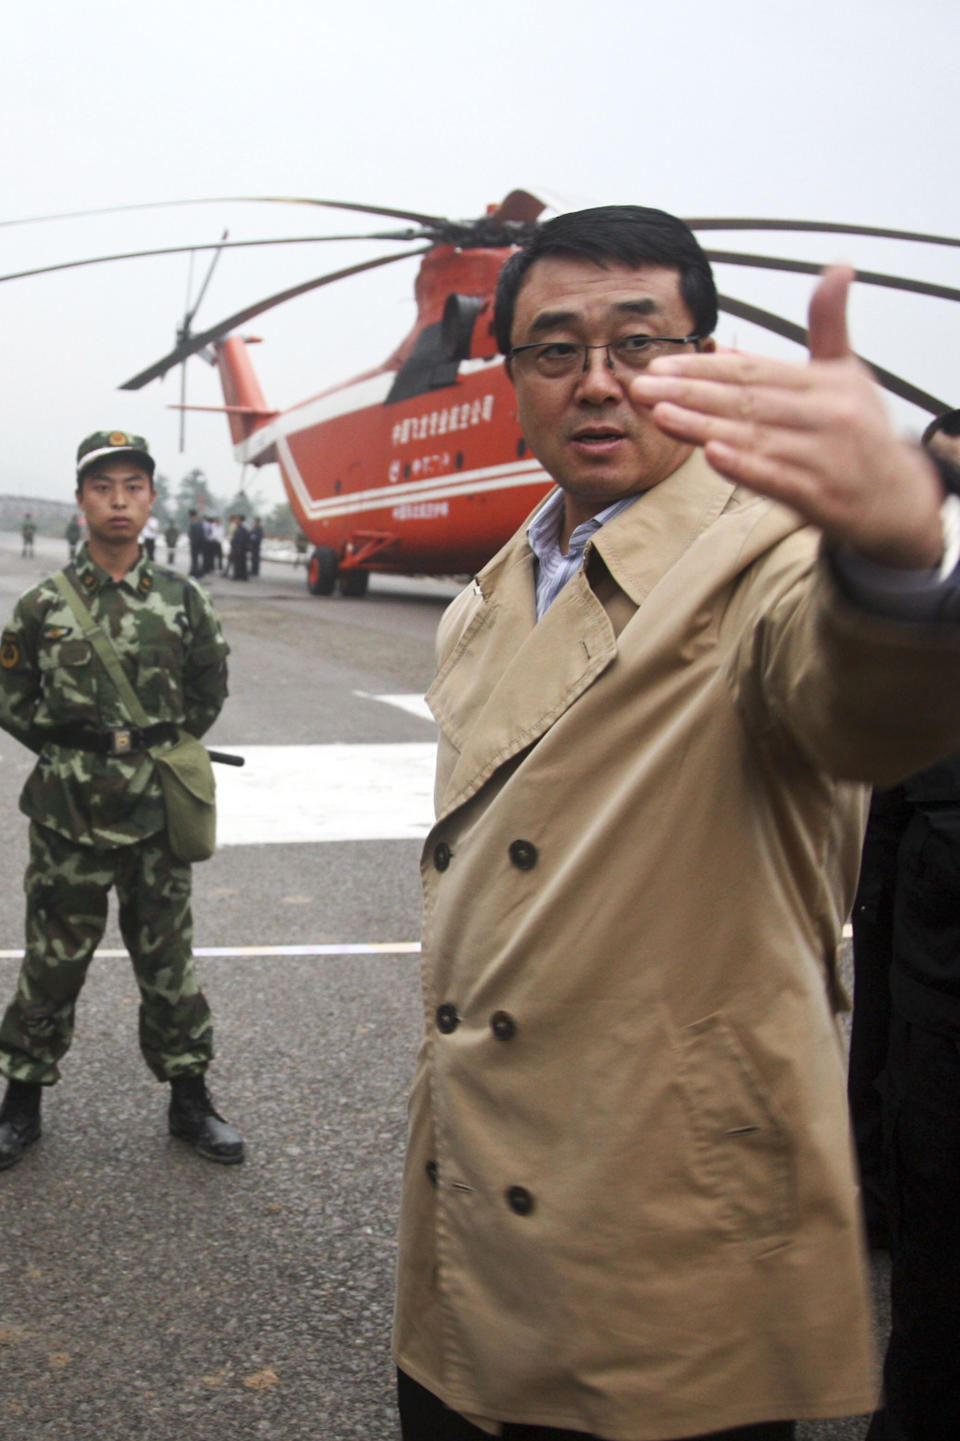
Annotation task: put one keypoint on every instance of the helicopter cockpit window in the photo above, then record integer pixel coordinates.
(440, 348)
(426, 368)
(459, 318)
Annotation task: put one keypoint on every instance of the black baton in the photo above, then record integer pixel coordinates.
(222, 759)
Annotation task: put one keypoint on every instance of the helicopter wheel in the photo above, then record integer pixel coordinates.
(322, 571)
(354, 582)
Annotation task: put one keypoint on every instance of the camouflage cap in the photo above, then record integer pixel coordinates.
(113, 443)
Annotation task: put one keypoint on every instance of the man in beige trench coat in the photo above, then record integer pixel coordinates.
(629, 1203)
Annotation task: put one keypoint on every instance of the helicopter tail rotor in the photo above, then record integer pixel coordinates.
(184, 335)
(192, 344)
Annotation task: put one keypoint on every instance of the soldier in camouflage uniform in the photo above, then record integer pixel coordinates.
(95, 803)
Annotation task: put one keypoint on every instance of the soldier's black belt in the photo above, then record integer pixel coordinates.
(126, 740)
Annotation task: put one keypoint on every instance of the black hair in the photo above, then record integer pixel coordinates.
(629, 234)
(946, 424)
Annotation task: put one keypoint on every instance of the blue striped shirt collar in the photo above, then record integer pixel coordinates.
(553, 568)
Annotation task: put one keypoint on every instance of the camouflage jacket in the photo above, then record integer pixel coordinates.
(169, 640)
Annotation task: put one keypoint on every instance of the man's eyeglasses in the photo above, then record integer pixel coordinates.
(558, 359)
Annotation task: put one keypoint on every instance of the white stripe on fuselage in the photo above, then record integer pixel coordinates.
(362, 395)
(437, 487)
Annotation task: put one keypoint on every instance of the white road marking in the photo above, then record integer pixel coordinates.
(335, 792)
(343, 948)
(413, 704)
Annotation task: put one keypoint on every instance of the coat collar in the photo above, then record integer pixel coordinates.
(92, 577)
(508, 678)
(643, 542)
(641, 545)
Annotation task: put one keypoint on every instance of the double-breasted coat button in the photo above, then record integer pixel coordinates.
(431, 1169)
(441, 855)
(503, 1026)
(520, 1200)
(523, 854)
(447, 1018)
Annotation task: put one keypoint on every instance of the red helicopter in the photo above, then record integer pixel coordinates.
(418, 466)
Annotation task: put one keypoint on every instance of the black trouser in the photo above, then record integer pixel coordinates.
(921, 1372)
(873, 911)
(425, 1418)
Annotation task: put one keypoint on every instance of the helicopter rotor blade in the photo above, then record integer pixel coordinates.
(787, 328)
(517, 211)
(192, 344)
(807, 267)
(514, 208)
(191, 312)
(211, 245)
(183, 334)
(415, 215)
(821, 227)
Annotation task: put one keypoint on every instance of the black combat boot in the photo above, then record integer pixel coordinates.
(19, 1120)
(193, 1119)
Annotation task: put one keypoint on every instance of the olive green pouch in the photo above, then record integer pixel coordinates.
(184, 770)
(189, 795)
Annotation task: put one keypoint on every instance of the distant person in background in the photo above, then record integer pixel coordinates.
(27, 531)
(906, 1022)
(72, 534)
(208, 544)
(149, 536)
(216, 543)
(171, 535)
(301, 545)
(196, 537)
(256, 540)
(239, 548)
(230, 533)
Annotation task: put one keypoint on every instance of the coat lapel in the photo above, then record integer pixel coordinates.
(509, 678)
(640, 546)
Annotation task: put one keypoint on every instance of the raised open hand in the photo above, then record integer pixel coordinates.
(815, 436)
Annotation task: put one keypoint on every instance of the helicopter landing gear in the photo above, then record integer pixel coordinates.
(354, 582)
(322, 571)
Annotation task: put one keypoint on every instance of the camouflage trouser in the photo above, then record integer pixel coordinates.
(66, 887)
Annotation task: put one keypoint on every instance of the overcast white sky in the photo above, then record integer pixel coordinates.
(842, 112)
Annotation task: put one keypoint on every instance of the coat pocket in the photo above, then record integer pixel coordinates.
(741, 1153)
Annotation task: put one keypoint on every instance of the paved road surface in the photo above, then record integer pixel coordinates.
(144, 1292)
